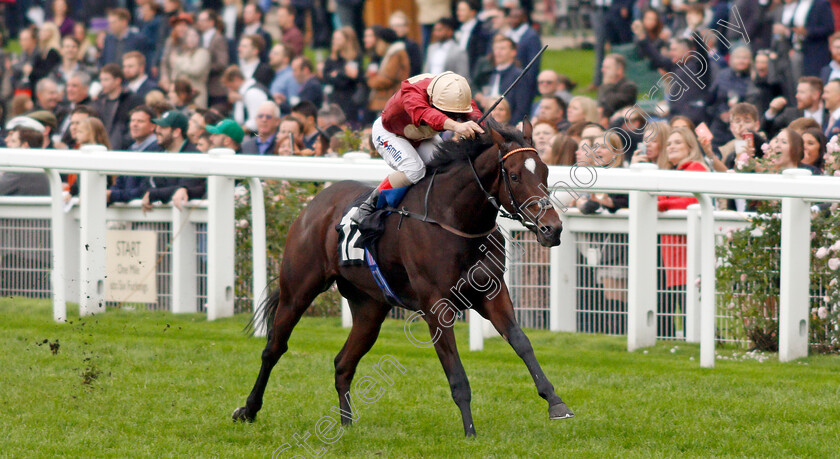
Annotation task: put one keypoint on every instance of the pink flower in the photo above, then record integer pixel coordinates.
(832, 283)
(813, 235)
(729, 234)
(837, 173)
(743, 277)
(822, 312)
(765, 148)
(744, 158)
(822, 252)
(242, 223)
(697, 282)
(834, 263)
(836, 247)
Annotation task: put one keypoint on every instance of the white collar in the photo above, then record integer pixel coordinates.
(517, 33)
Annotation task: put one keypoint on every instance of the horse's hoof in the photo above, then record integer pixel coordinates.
(242, 414)
(560, 411)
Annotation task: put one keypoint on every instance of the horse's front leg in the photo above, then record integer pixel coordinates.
(499, 311)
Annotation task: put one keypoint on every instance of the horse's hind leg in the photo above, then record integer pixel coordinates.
(289, 302)
(499, 311)
(368, 316)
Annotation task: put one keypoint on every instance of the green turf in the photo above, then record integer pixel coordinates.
(166, 385)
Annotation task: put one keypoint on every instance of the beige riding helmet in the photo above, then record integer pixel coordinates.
(450, 92)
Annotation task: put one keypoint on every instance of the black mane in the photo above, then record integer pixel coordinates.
(452, 152)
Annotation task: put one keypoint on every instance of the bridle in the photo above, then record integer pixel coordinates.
(543, 202)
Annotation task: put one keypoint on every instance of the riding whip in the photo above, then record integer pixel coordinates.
(521, 74)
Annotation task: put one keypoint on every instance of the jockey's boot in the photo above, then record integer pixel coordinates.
(367, 207)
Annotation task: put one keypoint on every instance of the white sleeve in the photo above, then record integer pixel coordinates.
(253, 99)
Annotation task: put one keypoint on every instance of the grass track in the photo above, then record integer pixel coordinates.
(169, 391)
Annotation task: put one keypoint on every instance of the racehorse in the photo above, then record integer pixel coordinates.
(422, 261)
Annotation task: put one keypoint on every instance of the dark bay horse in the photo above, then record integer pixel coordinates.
(423, 262)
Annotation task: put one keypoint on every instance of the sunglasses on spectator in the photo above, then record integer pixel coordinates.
(266, 116)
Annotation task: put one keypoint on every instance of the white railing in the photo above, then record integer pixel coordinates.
(641, 182)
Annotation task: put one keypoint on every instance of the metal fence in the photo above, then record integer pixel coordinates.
(25, 257)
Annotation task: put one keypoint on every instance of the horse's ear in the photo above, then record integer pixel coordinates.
(497, 138)
(527, 129)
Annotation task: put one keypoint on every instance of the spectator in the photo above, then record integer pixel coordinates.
(170, 131)
(47, 96)
(656, 138)
(341, 71)
(284, 87)
(616, 90)
(290, 140)
(120, 38)
(307, 113)
(50, 123)
(172, 13)
(767, 78)
(553, 111)
(561, 152)
(505, 72)
(44, 58)
(29, 52)
(350, 14)
(246, 96)
(149, 22)
(730, 86)
(611, 24)
(91, 131)
(252, 24)
(88, 54)
(443, 53)
(24, 184)
(134, 72)
(399, 24)
(542, 134)
(61, 19)
(691, 102)
(654, 28)
(582, 108)
(265, 141)
(69, 61)
(743, 121)
(786, 150)
(196, 124)
(809, 104)
(528, 45)
(231, 14)
(183, 95)
(501, 113)
(394, 67)
(331, 115)
(21, 103)
(310, 88)
(428, 13)
(180, 24)
(831, 97)
(472, 36)
(142, 131)
(114, 104)
(204, 142)
(210, 25)
(226, 134)
(832, 70)
(79, 114)
(292, 37)
(77, 94)
(547, 83)
(808, 29)
(814, 148)
(249, 51)
(192, 63)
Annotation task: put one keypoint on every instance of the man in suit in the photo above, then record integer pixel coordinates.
(24, 184)
(472, 36)
(121, 39)
(142, 131)
(209, 24)
(443, 53)
(528, 44)
(831, 96)
(249, 50)
(265, 142)
(134, 72)
(114, 104)
(505, 72)
(832, 70)
(251, 24)
(809, 92)
(310, 87)
(616, 91)
(77, 94)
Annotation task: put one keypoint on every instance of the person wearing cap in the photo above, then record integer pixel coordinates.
(50, 123)
(171, 134)
(121, 38)
(408, 130)
(227, 134)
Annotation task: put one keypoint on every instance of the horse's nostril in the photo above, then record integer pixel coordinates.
(546, 229)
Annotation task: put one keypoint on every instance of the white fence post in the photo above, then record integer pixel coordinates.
(220, 242)
(795, 271)
(641, 281)
(692, 273)
(184, 262)
(708, 302)
(563, 280)
(259, 253)
(57, 234)
(92, 187)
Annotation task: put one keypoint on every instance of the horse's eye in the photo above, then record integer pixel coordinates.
(514, 177)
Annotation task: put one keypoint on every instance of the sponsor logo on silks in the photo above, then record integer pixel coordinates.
(385, 147)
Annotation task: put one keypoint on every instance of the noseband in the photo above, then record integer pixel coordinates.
(517, 214)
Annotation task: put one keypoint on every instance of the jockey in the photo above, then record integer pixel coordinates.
(408, 130)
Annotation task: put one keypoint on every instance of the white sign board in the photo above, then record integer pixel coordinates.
(131, 266)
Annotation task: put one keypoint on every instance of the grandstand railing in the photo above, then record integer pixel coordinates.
(642, 182)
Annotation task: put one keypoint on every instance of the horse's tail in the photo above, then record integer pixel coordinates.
(268, 308)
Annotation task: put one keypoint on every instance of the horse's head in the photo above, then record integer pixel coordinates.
(523, 190)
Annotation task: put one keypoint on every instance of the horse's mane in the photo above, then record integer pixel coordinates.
(451, 152)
